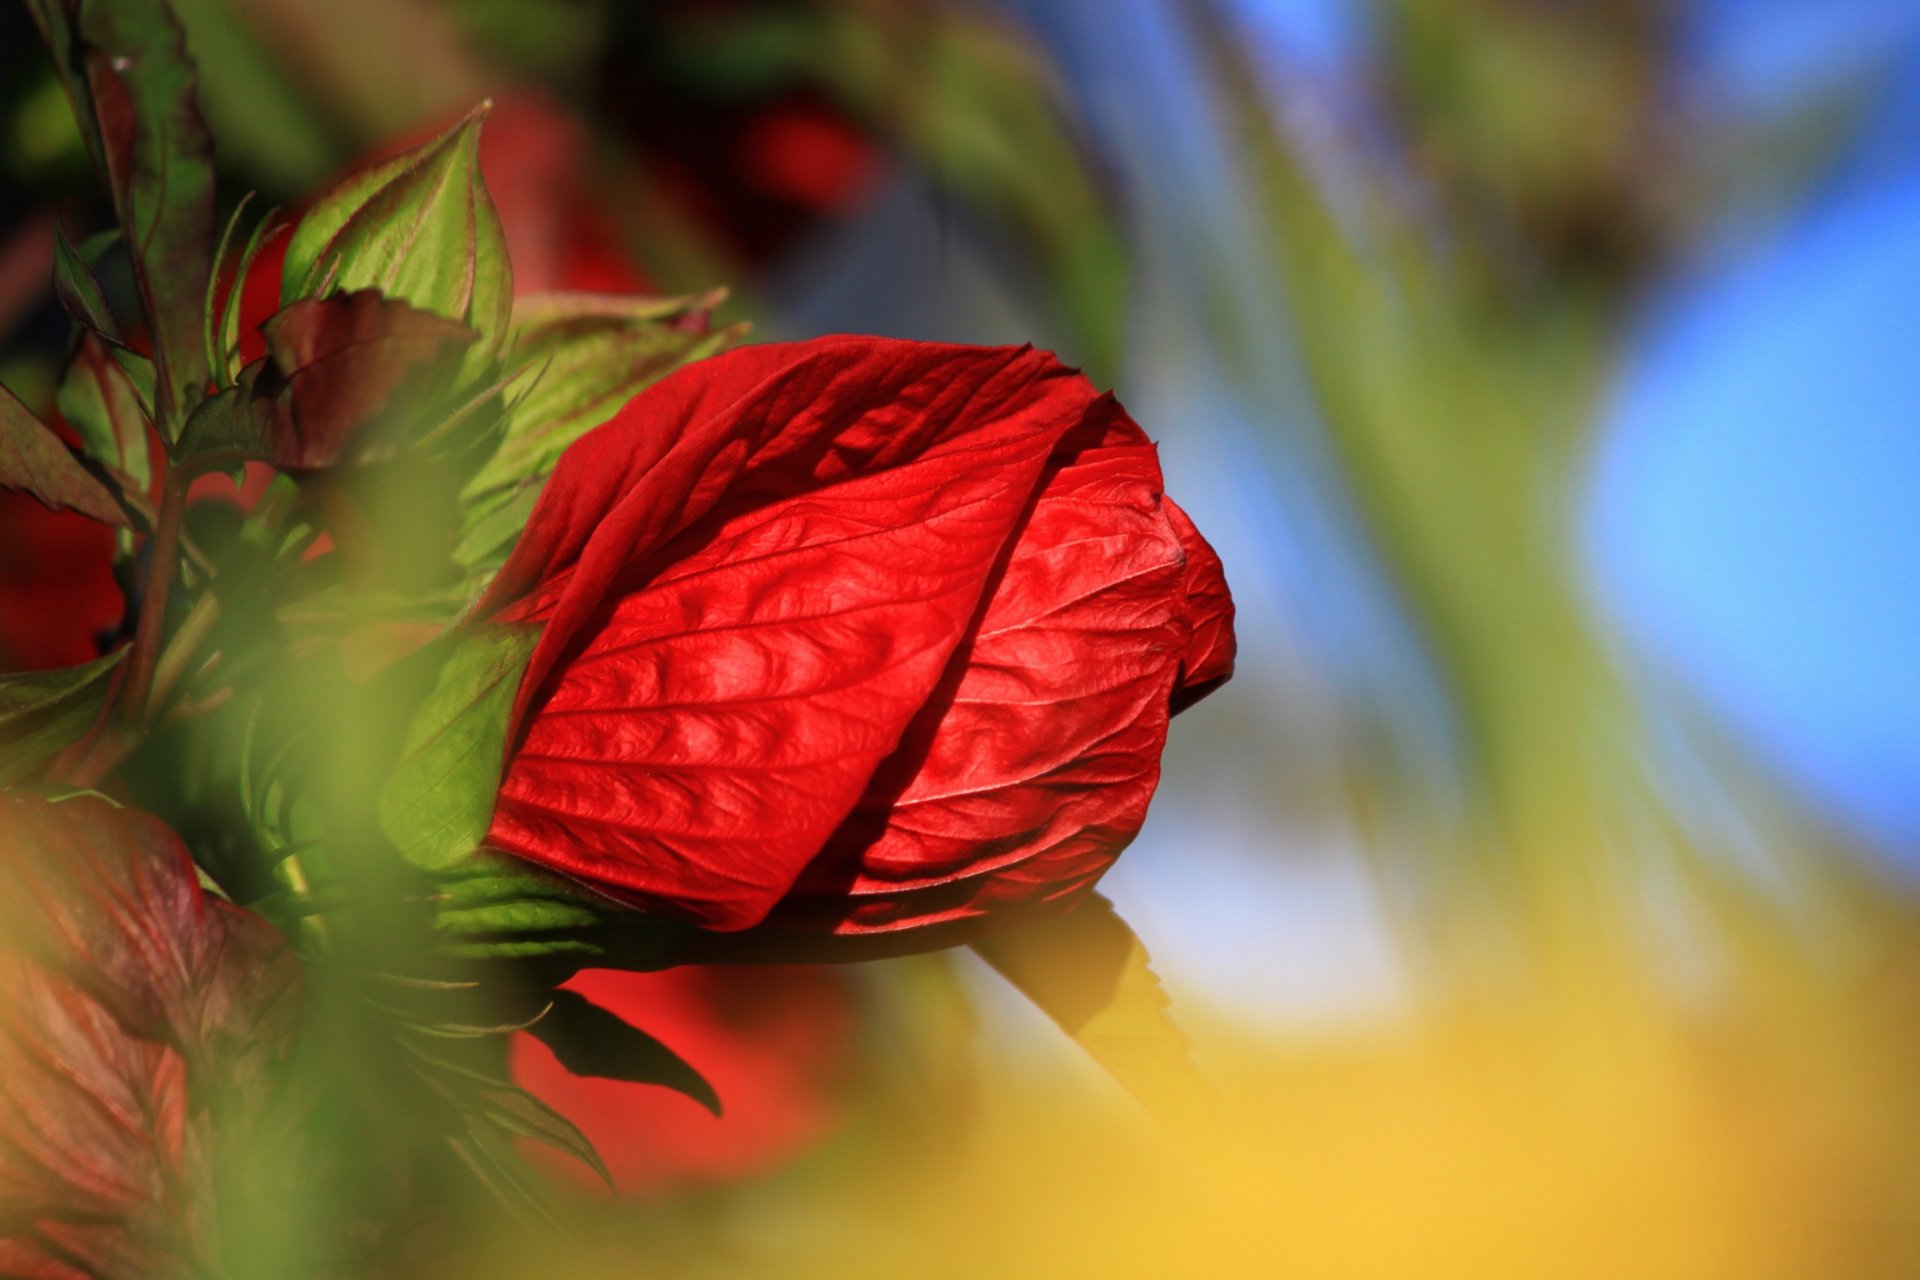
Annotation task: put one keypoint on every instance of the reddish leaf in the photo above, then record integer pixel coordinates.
(751, 580)
(100, 402)
(335, 369)
(33, 458)
(159, 160)
(141, 1027)
(342, 363)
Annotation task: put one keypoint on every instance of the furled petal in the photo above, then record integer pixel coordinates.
(1031, 768)
(1208, 660)
(751, 580)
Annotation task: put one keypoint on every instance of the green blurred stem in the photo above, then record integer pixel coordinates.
(163, 566)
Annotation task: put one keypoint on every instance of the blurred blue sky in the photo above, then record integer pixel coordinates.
(1756, 511)
(1752, 526)
(1755, 521)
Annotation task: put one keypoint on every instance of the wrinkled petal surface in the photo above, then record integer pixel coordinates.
(1028, 773)
(751, 580)
(851, 637)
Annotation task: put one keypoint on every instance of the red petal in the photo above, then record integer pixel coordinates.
(752, 579)
(1210, 642)
(1028, 773)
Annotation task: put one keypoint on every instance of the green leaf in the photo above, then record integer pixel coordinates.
(580, 366)
(515, 1110)
(42, 712)
(101, 404)
(1088, 972)
(576, 359)
(590, 1041)
(33, 458)
(420, 228)
(227, 369)
(79, 292)
(439, 796)
(158, 157)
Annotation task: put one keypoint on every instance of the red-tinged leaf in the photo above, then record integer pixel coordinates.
(34, 459)
(158, 156)
(345, 363)
(751, 580)
(1031, 768)
(78, 291)
(100, 403)
(42, 712)
(1087, 971)
(337, 369)
(142, 1030)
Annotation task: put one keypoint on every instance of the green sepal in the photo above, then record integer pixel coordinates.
(438, 798)
(575, 367)
(590, 1041)
(491, 906)
(1086, 969)
(576, 359)
(42, 712)
(419, 228)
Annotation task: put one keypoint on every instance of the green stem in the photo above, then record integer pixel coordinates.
(163, 567)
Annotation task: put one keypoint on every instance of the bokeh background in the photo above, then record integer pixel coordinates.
(1540, 896)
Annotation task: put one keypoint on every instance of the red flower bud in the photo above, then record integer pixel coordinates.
(853, 635)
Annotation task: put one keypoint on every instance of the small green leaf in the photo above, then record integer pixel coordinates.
(579, 368)
(79, 292)
(439, 796)
(517, 1111)
(590, 1041)
(33, 458)
(42, 712)
(491, 1159)
(420, 228)
(576, 359)
(1087, 971)
(227, 367)
(100, 403)
(158, 157)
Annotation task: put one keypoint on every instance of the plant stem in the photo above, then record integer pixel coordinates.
(163, 565)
